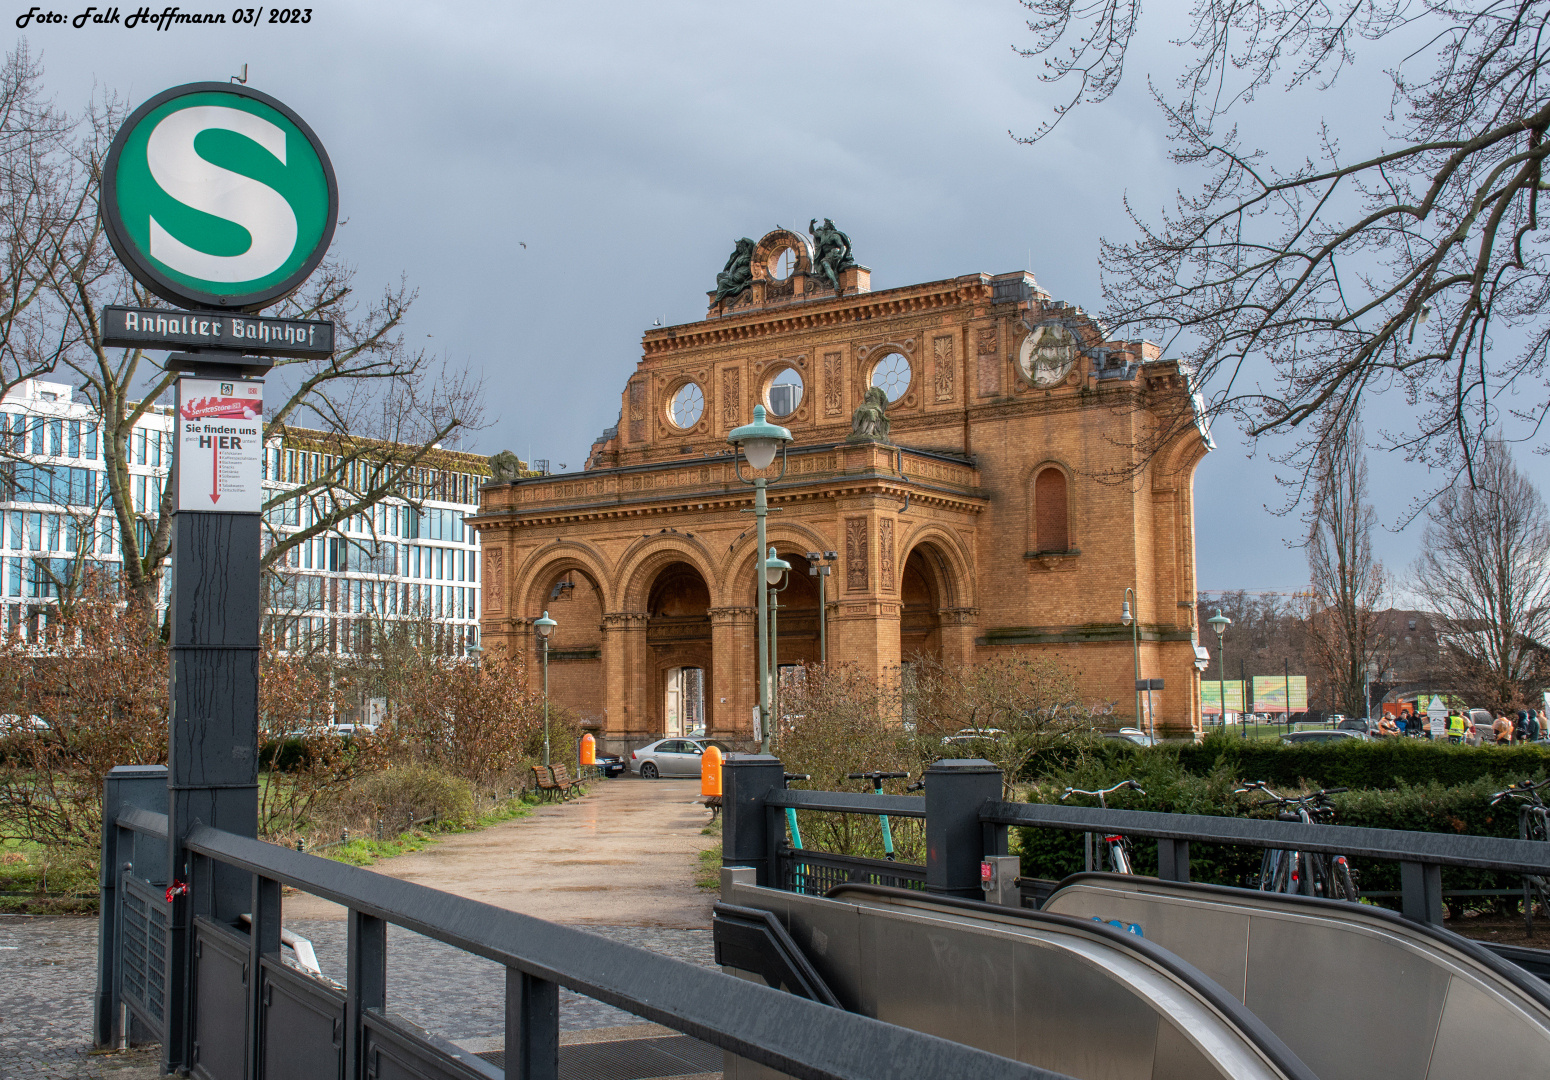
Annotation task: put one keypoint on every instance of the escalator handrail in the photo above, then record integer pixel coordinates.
(1528, 984)
(1253, 1029)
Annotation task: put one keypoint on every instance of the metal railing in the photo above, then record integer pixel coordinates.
(298, 1025)
(1421, 855)
(816, 872)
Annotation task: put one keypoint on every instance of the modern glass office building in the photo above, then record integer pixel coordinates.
(406, 559)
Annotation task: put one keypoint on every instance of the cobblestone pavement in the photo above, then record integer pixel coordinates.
(48, 973)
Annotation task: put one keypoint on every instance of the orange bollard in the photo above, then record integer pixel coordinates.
(588, 750)
(710, 772)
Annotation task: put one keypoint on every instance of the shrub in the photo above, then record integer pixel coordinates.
(1171, 788)
(416, 792)
(1353, 763)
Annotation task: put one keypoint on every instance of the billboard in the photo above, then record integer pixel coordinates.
(1270, 693)
(1211, 692)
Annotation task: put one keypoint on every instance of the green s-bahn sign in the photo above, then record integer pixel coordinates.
(218, 196)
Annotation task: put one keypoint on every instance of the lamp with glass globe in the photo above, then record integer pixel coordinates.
(758, 442)
(1130, 620)
(1220, 623)
(545, 626)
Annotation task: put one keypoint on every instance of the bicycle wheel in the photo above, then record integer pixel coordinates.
(1264, 882)
(1281, 881)
(1345, 881)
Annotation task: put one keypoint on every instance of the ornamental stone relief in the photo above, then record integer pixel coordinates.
(885, 551)
(987, 370)
(731, 397)
(833, 385)
(494, 580)
(943, 367)
(855, 554)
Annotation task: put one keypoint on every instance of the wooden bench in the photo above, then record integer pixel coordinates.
(563, 781)
(543, 783)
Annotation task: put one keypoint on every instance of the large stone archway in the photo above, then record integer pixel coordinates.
(678, 641)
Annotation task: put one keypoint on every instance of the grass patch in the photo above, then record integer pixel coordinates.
(35, 880)
(707, 874)
(366, 851)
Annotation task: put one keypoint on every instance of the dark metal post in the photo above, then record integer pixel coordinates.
(1172, 859)
(213, 728)
(263, 943)
(532, 1027)
(746, 781)
(955, 792)
(365, 986)
(1421, 892)
(143, 787)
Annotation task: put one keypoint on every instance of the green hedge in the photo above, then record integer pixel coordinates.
(1172, 788)
(1353, 763)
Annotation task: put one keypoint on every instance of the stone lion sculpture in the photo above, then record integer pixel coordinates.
(870, 423)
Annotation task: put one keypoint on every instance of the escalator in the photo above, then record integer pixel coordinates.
(1357, 992)
(1068, 994)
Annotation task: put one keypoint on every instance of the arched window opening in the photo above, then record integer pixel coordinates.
(1051, 523)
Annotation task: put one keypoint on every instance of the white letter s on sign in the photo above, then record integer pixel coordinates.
(195, 182)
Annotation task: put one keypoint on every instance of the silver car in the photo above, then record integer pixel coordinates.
(669, 757)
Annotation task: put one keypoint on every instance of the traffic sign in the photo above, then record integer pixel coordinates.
(218, 196)
(220, 445)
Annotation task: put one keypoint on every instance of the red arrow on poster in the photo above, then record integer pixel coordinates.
(215, 470)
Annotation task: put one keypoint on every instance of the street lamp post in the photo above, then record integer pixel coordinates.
(1134, 622)
(775, 571)
(820, 564)
(545, 626)
(1220, 623)
(758, 442)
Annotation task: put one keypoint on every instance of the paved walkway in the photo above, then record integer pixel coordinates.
(623, 855)
(619, 861)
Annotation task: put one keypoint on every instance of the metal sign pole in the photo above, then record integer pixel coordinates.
(212, 759)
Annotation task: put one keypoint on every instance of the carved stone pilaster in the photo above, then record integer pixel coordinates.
(731, 616)
(962, 616)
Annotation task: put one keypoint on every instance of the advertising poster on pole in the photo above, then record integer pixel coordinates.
(1211, 692)
(1270, 693)
(220, 445)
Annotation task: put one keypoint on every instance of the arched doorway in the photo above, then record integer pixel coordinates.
(796, 624)
(575, 603)
(678, 635)
(921, 592)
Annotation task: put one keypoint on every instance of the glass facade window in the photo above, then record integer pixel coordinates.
(73, 439)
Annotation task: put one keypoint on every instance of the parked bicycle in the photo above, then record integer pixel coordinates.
(1304, 872)
(1533, 824)
(1116, 846)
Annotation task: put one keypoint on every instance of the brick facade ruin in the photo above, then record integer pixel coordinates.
(1035, 472)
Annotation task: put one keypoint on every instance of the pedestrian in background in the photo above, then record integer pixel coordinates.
(1502, 729)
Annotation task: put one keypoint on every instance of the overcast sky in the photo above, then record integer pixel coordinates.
(628, 145)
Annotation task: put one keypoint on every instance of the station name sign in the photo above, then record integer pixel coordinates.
(253, 335)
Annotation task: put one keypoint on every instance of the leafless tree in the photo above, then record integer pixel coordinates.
(43, 196)
(1294, 287)
(1485, 570)
(1347, 580)
(378, 407)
